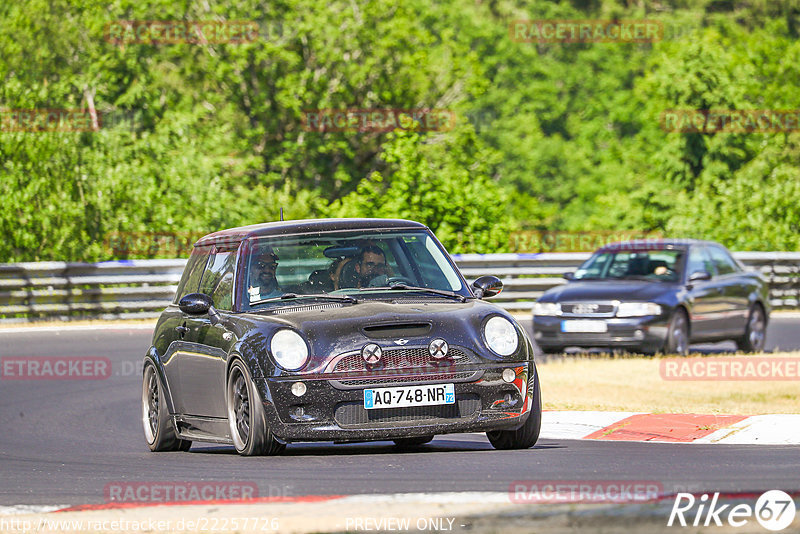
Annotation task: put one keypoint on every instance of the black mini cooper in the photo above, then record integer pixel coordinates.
(334, 330)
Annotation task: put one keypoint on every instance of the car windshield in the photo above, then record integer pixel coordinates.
(646, 264)
(343, 266)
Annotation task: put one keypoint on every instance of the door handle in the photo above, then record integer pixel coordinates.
(181, 330)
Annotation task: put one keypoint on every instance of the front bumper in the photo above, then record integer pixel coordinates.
(648, 332)
(330, 413)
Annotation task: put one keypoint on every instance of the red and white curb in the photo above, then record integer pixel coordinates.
(775, 429)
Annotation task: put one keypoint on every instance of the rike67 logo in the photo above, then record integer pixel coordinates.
(774, 510)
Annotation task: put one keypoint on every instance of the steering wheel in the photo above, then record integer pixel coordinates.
(384, 281)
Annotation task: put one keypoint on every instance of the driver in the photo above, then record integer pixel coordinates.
(370, 264)
(263, 283)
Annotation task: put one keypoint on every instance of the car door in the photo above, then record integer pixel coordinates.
(202, 364)
(175, 324)
(733, 293)
(703, 295)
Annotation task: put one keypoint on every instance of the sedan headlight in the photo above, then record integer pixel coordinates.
(501, 336)
(289, 349)
(546, 308)
(638, 309)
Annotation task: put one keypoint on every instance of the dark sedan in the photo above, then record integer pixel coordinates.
(334, 330)
(655, 296)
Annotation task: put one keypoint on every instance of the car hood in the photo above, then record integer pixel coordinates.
(607, 290)
(333, 328)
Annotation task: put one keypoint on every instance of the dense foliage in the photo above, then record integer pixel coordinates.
(548, 136)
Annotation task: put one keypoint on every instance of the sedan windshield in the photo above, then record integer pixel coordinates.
(655, 265)
(348, 266)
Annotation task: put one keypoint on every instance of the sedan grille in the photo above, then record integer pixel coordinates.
(588, 309)
(354, 413)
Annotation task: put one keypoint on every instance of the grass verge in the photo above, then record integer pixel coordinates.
(635, 383)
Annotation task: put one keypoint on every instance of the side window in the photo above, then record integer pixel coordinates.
(217, 281)
(190, 280)
(699, 261)
(722, 261)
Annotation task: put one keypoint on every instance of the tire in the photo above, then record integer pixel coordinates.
(248, 424)
(413, 442)
(158, 429)
(525, 436)
(755, 333)
(677, 341)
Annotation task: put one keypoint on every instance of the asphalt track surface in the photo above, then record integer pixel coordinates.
(63, 441)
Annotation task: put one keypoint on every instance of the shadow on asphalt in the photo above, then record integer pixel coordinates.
(438, 445)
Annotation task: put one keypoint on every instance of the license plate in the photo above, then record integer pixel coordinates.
(403, 396)
(584, 326)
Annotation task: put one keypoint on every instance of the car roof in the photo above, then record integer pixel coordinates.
(655, 244)
(303, 226)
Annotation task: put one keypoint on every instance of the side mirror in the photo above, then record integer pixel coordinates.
(568, 276)
(487, 286)
(196, 304)
(700, 276)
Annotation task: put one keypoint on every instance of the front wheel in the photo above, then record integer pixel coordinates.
(678, 334)
(525, 436)
(158, 429)
(248, 424)
(755, 334)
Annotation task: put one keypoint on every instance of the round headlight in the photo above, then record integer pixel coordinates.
(501, 336)
(289, 349)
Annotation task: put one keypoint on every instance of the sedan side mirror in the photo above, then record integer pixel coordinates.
(700, 276)
(196, 304)
(487, 286)
(568, 276)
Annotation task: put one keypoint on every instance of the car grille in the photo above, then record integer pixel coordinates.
(587, 309)
(354, 413)
(466, 376)
(396, 359)
(404, 366)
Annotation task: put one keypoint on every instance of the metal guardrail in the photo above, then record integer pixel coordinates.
(142, 288)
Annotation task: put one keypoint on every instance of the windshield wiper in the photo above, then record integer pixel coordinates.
(324, 296)
(442, 292)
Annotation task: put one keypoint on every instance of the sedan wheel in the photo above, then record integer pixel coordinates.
(755, 334)
(248, 424)
(158, 429)
(678, 334)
